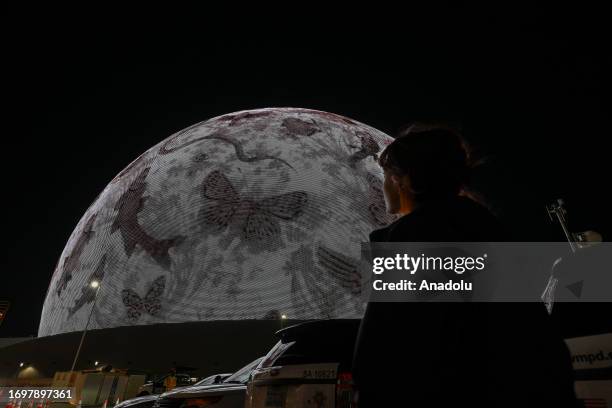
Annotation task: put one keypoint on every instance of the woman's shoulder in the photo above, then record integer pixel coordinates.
(382, 234)
(456, 220)
(379, 235)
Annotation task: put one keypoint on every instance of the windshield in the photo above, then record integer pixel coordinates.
(241, 376)
(276, 351)
(207, 380)
(211, 380)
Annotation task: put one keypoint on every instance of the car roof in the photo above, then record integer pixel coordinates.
(336, 327)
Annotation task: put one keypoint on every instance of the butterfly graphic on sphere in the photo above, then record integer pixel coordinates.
(257, 219)
(151, 303)
(342, 268)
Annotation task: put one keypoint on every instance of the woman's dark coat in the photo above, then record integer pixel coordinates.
(458, 354)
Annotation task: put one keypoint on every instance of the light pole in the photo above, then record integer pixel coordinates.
(94, 285)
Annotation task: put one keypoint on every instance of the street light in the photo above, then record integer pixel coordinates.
(96, 363)
(94, 285)
(21, 364)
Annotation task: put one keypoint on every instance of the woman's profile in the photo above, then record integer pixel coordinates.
(451, 354)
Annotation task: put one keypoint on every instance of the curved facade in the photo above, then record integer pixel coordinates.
(248, 215)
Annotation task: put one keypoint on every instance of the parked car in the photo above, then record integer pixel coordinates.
(145, 401)
(309, 366)
(157, 385)
(227, 394)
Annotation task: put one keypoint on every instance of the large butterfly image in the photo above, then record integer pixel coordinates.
(257, 219)
(151, 303)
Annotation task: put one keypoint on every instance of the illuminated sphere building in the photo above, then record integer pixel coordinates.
(246, 216)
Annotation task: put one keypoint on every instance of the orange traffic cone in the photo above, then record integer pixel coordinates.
(105, 403)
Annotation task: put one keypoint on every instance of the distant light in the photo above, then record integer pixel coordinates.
(96, 363)
(21, 364)
(283, 316)
(94, 284)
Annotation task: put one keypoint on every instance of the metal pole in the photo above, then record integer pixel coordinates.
(559, 212)
(85, 331)
(568, 234)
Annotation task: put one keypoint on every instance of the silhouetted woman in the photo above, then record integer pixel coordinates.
(451, 354)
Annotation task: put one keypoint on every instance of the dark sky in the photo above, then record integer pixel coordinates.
(85, 94)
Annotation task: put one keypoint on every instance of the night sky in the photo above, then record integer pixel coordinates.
(85, 95)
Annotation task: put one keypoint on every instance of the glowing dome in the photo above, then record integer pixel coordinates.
(249, 215)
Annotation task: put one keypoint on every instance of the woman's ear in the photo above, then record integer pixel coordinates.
(401, 182)
(393, 178)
